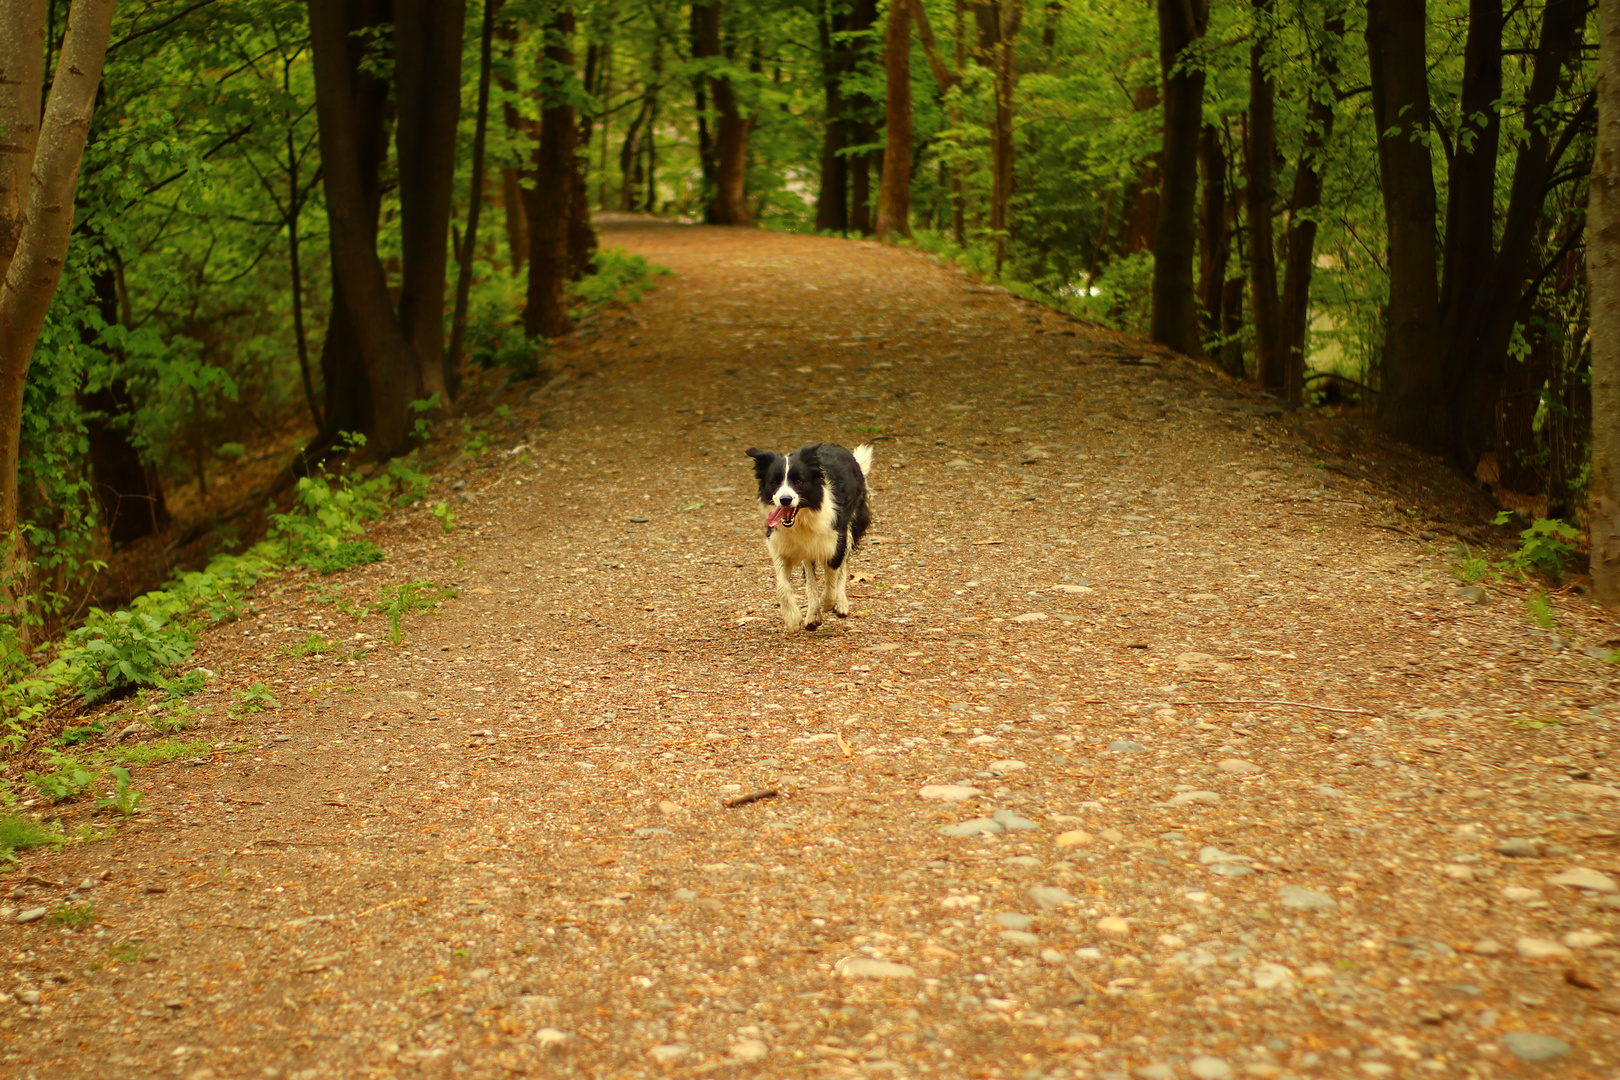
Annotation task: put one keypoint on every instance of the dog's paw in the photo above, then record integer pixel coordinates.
(812, 622)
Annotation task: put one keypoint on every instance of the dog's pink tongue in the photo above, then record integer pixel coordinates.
(775, 516)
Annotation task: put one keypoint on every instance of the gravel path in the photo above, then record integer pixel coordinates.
(1161, 743)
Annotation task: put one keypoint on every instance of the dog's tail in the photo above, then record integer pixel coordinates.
(863, 457)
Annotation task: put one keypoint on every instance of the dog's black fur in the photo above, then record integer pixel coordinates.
(807, 470)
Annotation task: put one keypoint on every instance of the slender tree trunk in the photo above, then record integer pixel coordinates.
(894, 189)
(862, 18)
(295, 209)
(1006, 86)
(630, 159)
(958, 183)
(729, 205)
(1413, 401)
(1260, 155)
(705, 34)
(1471, 190)
(475, 202)
(41, 242)
(651, 139)
(581, 233)
(1603, 284)
(832, 194)
(427, 64)
(1213, 250)
(1301, 237)
(517, 222)
(547, 202)
(393, 372)
(1139, 212)
(1175, 299)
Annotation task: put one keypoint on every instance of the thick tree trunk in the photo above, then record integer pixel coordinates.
(705, 37)
(393, 372)
(1476, 358)
(41, 244)
(894, 189)
(728, 204)
(475, 202)
(517, 221)
(22, 69)
(832, 193)
(1603, 284)
(1175, 298)
(1260, 156)
(1471, 191)
(547, 202)
(427, 86)
(1413, 399)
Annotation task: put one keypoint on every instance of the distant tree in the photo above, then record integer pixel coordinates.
(1175, 298)
(1603, 274)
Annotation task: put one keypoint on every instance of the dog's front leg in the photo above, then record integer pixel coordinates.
(838, 591)
(784, 593)
(813, 595)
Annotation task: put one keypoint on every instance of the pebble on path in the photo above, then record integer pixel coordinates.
(1296, 896)
(974, 827)
(865, 967)
(1204, 1067)
(950, 792)
(1534, 948)
(1533, 1046)
(1073, 838)
(1584, 877)
(1114, 925)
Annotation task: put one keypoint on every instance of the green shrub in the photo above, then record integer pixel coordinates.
(67, 779)
(254, 699)
(1546, 545)
(79, 734)
(124, 798)
(327, 536)
(618, 277)
(156, 753)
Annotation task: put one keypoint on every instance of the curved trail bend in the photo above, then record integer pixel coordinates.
(500, 847)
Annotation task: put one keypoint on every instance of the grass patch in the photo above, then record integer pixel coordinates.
(156, 753)
(255, 699)
(1525, 723)
(19, 833)
(1540, 610)
(314, 644)
(73, 916)
(1468, 568)
(415, 596)
(125, 952)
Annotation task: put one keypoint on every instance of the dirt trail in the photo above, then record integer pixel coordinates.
(500, 847)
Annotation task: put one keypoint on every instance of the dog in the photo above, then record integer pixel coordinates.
(815, 515)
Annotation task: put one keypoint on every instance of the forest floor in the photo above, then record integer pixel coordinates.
(1161, 742)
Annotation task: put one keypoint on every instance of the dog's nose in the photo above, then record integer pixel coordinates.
(785, 500)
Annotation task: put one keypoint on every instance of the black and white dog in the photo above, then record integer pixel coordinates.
(815, 515)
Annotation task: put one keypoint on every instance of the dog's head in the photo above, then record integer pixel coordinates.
(788, 484)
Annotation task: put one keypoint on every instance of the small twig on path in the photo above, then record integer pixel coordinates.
(1292, 704)
(751, 797)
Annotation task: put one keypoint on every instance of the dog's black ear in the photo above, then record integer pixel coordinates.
(762, 460)
(810, 456)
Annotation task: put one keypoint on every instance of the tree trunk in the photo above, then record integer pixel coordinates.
(1001, 183)
(630, 160)
(832, 193)
(517, 222)
(1476, 357)
(41, 244)
(651, 138)
(427, 87)
(1139, 210)
(705, 35)
(728, 203)
(1471, 191)
(1413, 397)
(1603, 284)
(475, 203)
(1175, 299)
(1214, 252)
(547, 202)
(345, 95)
(862, 18)
(894, 189)
(1522, 387)
(1294, 325)
(1260, 156)
(127, 489)
(22, 70)
(581, 233)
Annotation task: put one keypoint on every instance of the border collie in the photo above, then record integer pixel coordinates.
(815, 515)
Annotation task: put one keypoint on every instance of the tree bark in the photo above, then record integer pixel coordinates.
(581, 233)
(547, 201)
(392, 369)
(705, 35)
(517, 222)
(862, 18)
(1260, 156)
(1214, 252)
(475, 203)
(41, 243)
(731, 130)
(1139, 210)
(427, 86)
(1413, 400)
(832, 192)
(1471, 191)
(22, 69)
(1603, 285)
(630, 160)
(1476, 357)
(1294, 324)
(894, 188)
(1001, 185)
(1175, 299)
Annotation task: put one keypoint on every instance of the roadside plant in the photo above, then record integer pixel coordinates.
(254, 699)
(415, 596)
(124, 798)
(446, 516)
(67, 779)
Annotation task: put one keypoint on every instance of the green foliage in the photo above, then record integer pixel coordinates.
(190, 683)
(254, 699)
(156, 753)
(495, 344)
(79, 734)
(1468, 567)
(20, 833)
(327, 536)
(314, 644)
(414, 596)
(123, 651)
(65, 780)
(1545, 546)
(124, 798)
(446, 516)
(618, 277)
(1540, 611)
(175, 717)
